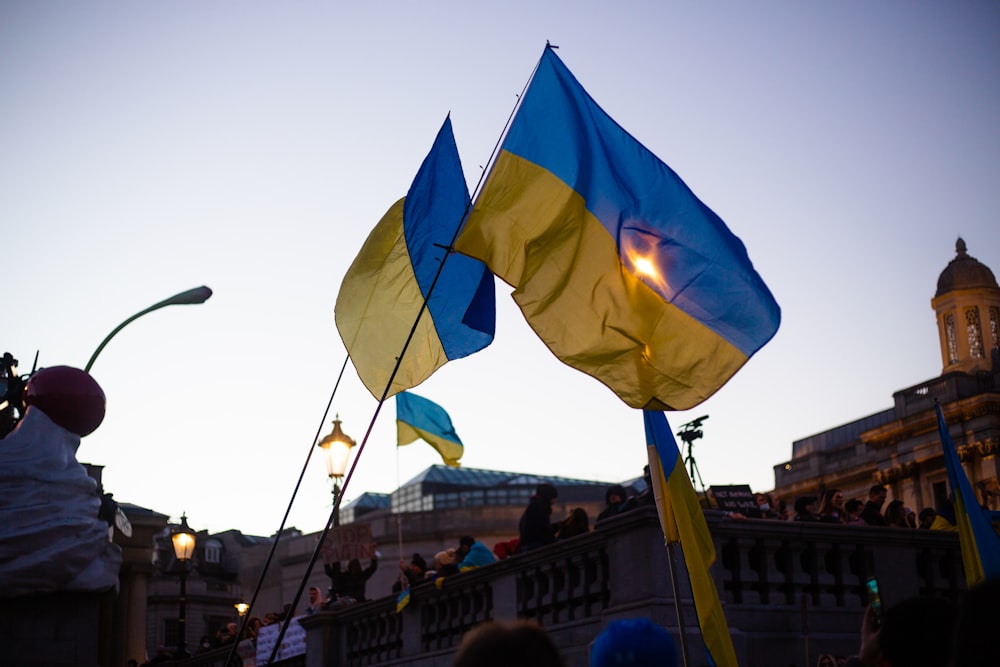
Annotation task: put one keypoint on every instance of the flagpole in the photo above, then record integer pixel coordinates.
(378, 408)
(672, 562)
(277, 536)
(496, 147)
(454, 237)
(403, 579)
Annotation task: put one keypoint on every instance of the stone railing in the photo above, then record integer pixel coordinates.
(949, 387)
(786, 588)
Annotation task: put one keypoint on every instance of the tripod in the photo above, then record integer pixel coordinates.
(692, 467)
(688, 434)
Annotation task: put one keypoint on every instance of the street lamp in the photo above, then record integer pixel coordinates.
(241, 608)
(190, 297)
(336, 450)
(183, 541)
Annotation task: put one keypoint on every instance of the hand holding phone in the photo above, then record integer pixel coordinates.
(875, 601)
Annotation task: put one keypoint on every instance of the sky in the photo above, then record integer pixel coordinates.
(148, 148)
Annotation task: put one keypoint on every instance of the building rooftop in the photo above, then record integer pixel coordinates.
(441, 486)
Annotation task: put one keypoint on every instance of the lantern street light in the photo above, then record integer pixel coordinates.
(183, 541)
(190, 297)
(241, 608)
(336, 450)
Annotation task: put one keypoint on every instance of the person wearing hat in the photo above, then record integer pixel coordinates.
(637, 642)
(534, 528)
(615, 500)
(412, 573)
(472, 554)
(446, 562)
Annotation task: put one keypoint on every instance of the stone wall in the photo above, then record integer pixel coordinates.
(57, 630)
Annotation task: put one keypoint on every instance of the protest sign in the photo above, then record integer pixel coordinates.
(735, 498)
(349, 542)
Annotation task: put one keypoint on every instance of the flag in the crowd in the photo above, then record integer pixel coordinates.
(385, 287)
(683, 521)
(403, 599)
(980, 544)
(618, 267)
(417, 417)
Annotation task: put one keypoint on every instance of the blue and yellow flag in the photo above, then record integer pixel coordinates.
(385, 287)
(403, 599)
(683, 521)
(417, 417)
(980, 544)
(618, 267)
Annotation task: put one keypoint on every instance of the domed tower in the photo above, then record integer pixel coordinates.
(967, 306)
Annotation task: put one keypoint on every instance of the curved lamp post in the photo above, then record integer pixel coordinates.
(190, 297)
(183, 542)
(336, 450)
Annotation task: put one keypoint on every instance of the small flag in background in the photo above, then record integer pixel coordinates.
(384, 288)
(403, 599)
(618, 267)
(980, 544)
(683, 521)
(417, 417)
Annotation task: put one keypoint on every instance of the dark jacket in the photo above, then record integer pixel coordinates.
(534, 528)
(871, 514)
(348, 583)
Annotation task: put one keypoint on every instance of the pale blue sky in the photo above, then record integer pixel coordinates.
(146, 148)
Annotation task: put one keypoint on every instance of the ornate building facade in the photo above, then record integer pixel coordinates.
(900, 447)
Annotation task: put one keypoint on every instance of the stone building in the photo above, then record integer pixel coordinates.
(213, 587)
(900, 447)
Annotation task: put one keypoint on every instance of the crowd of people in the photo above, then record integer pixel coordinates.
(495, 643)
(831, 507)
(536, 529)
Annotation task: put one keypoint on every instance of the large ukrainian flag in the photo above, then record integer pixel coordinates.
(616, 264)
(980, 544)
(385, 287)
(683, 521)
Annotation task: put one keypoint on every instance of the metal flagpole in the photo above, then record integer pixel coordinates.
(388, 387)
(288, 509)
(655, 477)
(671, 560)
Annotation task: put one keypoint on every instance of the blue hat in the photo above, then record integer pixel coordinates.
(635, 641)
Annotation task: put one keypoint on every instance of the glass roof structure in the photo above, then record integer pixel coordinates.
(442, 487)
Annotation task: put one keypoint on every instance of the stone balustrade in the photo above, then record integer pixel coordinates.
(787, 589)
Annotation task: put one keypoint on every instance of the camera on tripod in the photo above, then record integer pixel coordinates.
(688, 434)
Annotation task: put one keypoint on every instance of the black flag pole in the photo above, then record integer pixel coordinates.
(284, 519)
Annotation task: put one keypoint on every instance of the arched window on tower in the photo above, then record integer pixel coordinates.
(949, 332)
(975, 333)
(995, 326)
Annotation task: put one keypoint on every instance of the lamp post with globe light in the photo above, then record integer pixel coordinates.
(336, 449)
(183, 541)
